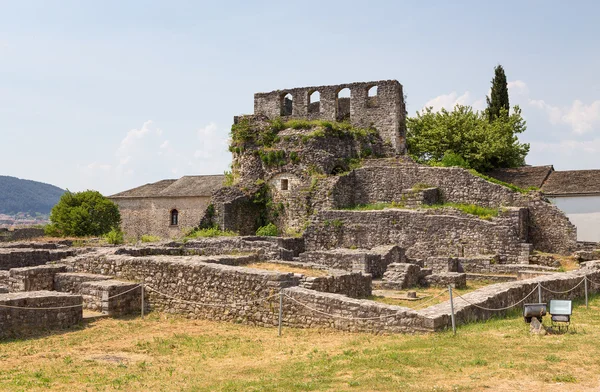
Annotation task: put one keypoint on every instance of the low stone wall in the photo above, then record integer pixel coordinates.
(219, 292)
(352, 284)
(20, 234)
(33, 278)
(347, 314)
(16, 258)
(502, 295)
(274, 248)
(369, 261)
(19, 322)
(421, 233)
(455, 279)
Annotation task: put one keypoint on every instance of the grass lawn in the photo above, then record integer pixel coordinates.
(166, 353)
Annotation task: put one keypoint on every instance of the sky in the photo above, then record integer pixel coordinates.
(110, 95)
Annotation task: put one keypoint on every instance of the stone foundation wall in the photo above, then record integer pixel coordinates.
(21, 322)
(421, 233)
(112, 297)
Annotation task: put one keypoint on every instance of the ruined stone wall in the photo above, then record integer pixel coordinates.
(386, 111)
(194, 279)
(20, 234)
(152, 216)
(18, 322)
(549, 230)
(348, 314)
(20, 257)
(421, 233)
(351, 284)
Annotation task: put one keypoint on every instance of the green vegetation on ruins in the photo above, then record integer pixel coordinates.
(160, 353)
(486, 213)
(210, 232)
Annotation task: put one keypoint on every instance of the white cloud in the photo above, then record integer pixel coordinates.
(148, 154)
(448, 101)
(518, 87)
(581, 118)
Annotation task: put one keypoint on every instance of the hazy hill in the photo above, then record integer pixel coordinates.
(18, 195)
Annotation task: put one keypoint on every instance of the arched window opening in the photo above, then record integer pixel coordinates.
(287, 104)
(174, 217)
(284, 184)
(372, 99)
(343, 105)
(314, 102)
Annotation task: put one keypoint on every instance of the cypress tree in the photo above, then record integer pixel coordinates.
(498, 98)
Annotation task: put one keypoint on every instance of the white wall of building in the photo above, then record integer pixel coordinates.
(583, 212)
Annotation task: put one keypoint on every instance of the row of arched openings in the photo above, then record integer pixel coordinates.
(314, 102)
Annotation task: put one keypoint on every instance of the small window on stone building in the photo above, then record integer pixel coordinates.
(174, 217)
(287, 105)
(284, 184)
(372, 99)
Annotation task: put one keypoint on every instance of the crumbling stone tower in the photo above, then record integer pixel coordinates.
(378, 104)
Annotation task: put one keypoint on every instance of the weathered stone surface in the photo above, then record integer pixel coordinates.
(70, 282)
(20, 322)
(455, 279)
(352, 284)
(20, 257)
(587, 255)
(20, 234)
(370, 261)
(112, 297)
(401, 276)
(423, 233)
(33, 278)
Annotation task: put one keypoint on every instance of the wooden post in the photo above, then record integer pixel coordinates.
(586, 291)
(142, 310)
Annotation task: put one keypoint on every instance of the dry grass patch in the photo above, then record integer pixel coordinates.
(166, 353)
(271, 266)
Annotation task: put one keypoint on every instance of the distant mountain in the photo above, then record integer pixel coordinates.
(18, 195)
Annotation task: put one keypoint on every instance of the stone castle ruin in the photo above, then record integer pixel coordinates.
(353, 212)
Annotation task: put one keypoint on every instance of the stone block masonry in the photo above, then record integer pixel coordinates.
(20, 322)
(421, 233)
(385, 110)
(33, 278)
(112, 297)
(16, 258)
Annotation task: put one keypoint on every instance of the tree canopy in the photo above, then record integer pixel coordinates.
(498, 98)
(467, 138)
(85, 213)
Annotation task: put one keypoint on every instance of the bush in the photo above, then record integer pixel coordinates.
(451, 159)
(81, 214)
(149, 238)
(269, 230)
(114, 237)
(211, 232)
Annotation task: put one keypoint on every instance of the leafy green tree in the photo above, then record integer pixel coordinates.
(463, 137)
(498, 98)
(83, 214)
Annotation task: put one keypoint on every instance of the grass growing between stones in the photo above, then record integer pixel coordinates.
(170, 353)
(287, 268)
(471, 209)
(390, 297)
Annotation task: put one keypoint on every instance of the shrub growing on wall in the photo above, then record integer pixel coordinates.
(269, 230)
(81, 214)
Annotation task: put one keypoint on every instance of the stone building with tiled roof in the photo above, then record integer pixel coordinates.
(575, 192)
(166, 208)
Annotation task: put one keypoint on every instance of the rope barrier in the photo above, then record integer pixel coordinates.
(210, 304)
(63, 307)
(431, 299)
(341, 317)
(563, 292)
(592, 282)
(505, 308)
